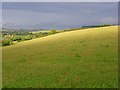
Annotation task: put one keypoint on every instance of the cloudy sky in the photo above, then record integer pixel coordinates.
(58, 15)
(60, 0)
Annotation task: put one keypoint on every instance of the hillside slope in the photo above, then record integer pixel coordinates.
(82, 58)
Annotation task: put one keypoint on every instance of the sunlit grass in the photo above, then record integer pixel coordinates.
(77, 59)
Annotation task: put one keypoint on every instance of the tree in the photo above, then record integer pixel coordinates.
(52, 32)
(6, 42)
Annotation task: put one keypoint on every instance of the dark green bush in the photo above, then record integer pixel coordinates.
(52, 32)
(28, 37)
(6, 42)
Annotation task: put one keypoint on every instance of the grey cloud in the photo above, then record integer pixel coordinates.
(58, 15)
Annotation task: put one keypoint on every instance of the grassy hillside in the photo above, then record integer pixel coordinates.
(82, 58)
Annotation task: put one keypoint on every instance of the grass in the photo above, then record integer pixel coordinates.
(75, 59)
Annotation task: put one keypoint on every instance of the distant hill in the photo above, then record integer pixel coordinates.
(19, 30)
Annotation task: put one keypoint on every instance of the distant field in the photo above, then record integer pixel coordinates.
(40, 31)
(76, 59)
(44, 31)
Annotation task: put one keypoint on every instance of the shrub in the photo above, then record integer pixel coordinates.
(52, 32)
(16, 38)
(6, 42)
(28, 37)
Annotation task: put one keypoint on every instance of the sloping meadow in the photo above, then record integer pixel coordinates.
(78, 59)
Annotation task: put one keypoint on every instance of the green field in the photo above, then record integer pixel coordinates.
(75, 59)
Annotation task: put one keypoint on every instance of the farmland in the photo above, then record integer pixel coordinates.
(76, 59)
